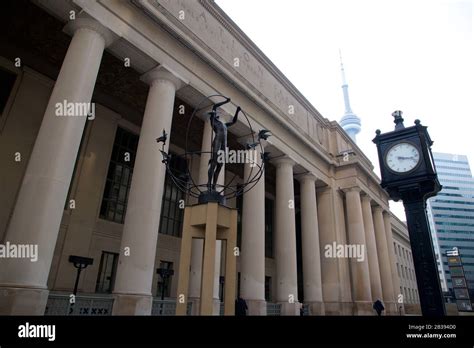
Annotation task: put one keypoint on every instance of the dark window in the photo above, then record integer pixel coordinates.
(164, 284)
(269, 223)
(107, 271)
(172, 205)
(119, 176)
(7, 80)
(268, 289)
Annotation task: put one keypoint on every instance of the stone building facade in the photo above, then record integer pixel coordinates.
(68, 187)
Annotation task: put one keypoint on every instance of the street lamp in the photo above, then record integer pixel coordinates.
(79, 263)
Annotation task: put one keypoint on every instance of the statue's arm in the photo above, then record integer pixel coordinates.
(214, 108)
(234, 119)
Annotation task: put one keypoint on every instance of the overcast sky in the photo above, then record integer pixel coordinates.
(411, 55)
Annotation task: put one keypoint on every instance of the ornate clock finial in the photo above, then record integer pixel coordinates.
(398, 120)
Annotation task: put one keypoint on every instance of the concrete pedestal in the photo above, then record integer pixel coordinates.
(210, 222)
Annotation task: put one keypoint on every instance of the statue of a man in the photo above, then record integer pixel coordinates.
(219, 143)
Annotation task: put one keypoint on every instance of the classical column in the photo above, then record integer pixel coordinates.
(198, 244)
(313, 293)
(285, 238)
(335, 275)
(374, 269)
(252, 255)
(384, 259)
(393, 260)
(136, 266)
(359, 264)
(39, 207)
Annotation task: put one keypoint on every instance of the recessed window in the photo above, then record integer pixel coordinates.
(172, 212)
(119, 176)
(107, 272)
(269, 226)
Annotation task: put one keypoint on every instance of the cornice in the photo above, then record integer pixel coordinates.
(230, 25)
(187, 38)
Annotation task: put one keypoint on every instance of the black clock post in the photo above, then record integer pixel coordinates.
(409, 174)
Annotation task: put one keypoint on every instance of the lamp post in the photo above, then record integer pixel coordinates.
(80, 263)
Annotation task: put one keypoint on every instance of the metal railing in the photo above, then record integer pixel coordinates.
(98, 305)
(167, 307)
(84, 305)
(273, 309)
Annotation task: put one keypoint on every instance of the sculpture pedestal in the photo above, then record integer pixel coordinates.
(210, 222)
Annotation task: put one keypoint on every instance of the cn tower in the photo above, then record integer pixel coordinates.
(350, 122)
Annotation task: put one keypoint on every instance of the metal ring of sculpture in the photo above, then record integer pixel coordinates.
(185, 182)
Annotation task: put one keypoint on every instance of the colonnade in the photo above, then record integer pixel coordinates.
(332, 285)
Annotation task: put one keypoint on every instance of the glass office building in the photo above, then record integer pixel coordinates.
(451, 215)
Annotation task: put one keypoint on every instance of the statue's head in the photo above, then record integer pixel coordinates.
(219, 113)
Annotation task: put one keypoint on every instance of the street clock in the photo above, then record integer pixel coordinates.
(408, 173)
(402, 158)
(406, 162)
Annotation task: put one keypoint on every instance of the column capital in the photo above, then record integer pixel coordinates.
(162, 72)
(283, 160)
(352, 189)
(365, 197)
(90, 23)
(306, 177)
(377, 208)
(386, 213)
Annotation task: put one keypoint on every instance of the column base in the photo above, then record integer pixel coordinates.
(23, 301)
(216, 307)
(363, 308)
(391, 308)
(400, 309)
(256, 307)
(316, 308)
(195, 306)
(290, 308)
(333, 308)
(126, 304)
(347, 308)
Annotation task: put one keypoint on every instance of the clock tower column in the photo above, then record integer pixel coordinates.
(409, 174)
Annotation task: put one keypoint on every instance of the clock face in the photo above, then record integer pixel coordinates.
(402, 157)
